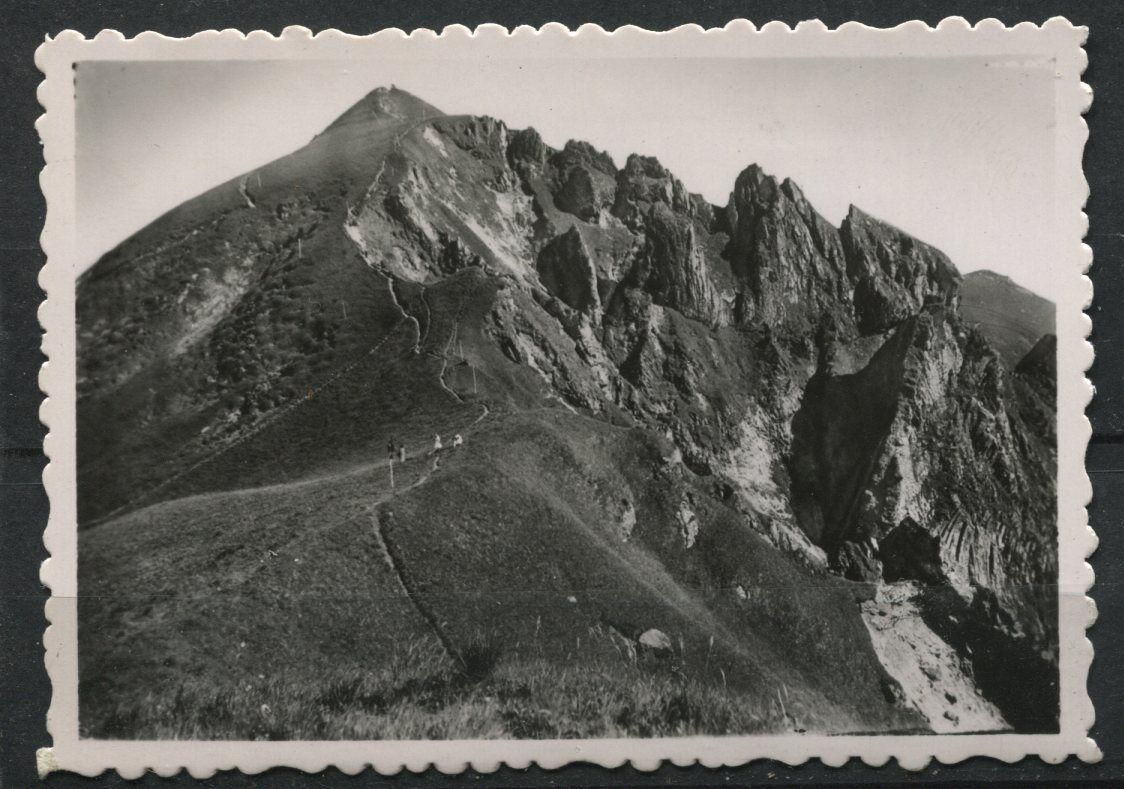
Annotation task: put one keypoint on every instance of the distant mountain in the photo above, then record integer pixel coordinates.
(1011, 317)
(765, 437)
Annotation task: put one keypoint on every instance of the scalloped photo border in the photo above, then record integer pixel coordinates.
(1056, 40)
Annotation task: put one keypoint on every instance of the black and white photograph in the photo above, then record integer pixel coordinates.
(450, 398)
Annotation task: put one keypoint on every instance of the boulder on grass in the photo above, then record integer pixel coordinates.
(654, 642)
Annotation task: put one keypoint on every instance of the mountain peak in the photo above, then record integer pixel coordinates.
(753, 184)
(385, 105)
(995, 279)
(1012, 318)
(755, 171)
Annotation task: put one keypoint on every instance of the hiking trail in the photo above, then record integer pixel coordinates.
(383, 523)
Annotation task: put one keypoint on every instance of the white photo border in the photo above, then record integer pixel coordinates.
(1056, 39)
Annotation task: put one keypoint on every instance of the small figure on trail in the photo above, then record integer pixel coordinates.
(457, 441)
(390, 461)
(436, 445)
(401, 453)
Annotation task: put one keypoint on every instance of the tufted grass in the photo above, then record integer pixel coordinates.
(423, 694)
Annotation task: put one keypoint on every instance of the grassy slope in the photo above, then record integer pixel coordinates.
(289, 586)
(202, 604)
(296, 303)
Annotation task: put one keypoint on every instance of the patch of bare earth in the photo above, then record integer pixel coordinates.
(935, 680)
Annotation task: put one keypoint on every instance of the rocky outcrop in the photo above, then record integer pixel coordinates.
(789, 257)
(673, 267)
(879, 306)
(526, 150)
(446, 198)
(858, 561)
(850, 453)
(586, 180)
(892, 271)
(566, 270)
(641, 184)
(927, 449)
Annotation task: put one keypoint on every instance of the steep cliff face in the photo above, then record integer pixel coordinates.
(674, 267)
(411, 273)
(444, 199)
(932, 463)
(790, 258)
(567, 270)
(894, 274)
(931, 430)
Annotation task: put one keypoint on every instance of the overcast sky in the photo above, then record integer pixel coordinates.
(957, 152)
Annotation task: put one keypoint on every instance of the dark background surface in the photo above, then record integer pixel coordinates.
(24, 686)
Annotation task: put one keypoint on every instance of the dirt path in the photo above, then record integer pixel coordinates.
(383, 517)
(428, 312)
(384, 525)
(383, 514)
(445, 366)
(268, 419)
(933, 677)
(406, 316)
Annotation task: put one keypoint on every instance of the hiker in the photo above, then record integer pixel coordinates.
(457, 441)
(390, 449)
(401, 453)
(436, 444)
